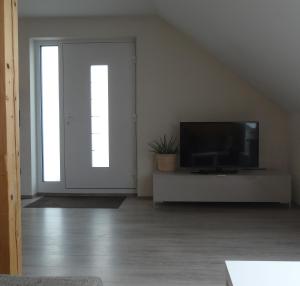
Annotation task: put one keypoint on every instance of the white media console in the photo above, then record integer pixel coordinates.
(245, 186)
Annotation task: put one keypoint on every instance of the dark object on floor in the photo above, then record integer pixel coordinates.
(113, 202)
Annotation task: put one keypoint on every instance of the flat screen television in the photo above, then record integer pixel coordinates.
(219, 145)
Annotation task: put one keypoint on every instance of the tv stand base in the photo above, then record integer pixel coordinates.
(244, 186)
(215, 171)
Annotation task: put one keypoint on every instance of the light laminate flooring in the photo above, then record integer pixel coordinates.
(168, 245)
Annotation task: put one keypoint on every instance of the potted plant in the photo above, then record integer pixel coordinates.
(165, 151)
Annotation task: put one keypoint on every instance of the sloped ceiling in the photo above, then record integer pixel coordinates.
(257, 39)
(34, 8)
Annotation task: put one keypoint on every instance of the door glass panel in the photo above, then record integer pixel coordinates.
(50, 113)
(99, 116)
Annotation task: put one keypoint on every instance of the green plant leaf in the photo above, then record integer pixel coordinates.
(164, 145)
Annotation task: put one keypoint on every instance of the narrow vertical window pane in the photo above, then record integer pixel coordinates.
(50, 113)
(99, 116)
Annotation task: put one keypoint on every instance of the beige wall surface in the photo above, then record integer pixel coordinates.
(177, 80)
(295, 155)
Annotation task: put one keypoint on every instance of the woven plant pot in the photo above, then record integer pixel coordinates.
(166, 162)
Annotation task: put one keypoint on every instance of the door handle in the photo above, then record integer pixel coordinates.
(68, 119)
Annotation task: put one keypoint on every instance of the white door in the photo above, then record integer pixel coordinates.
(99, 112)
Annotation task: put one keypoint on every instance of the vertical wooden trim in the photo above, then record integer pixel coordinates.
(10, 202)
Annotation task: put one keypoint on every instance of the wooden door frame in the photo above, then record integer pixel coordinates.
(10, 202)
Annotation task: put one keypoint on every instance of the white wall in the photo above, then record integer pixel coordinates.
(295, 155)
(176, 81)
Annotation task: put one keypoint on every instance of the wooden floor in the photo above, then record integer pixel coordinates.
(170, 245)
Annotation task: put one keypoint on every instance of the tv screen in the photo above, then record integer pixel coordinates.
(219, 144)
